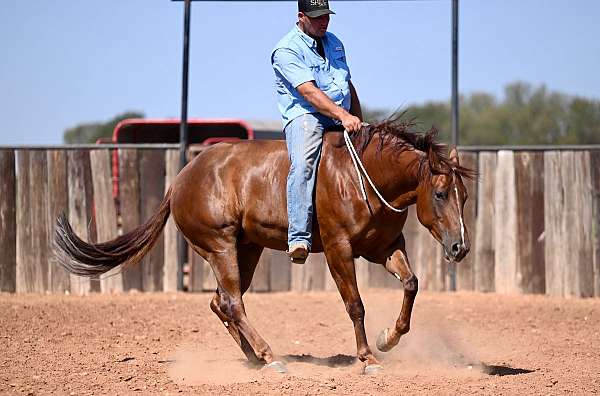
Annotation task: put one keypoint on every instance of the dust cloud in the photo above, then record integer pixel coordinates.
(432, 345)
(193, 366)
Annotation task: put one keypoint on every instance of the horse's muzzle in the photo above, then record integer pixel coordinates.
(456, 250)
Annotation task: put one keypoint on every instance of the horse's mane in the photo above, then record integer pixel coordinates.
(398, 134)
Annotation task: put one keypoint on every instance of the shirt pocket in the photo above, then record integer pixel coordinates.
(340, 65)
(323, 77)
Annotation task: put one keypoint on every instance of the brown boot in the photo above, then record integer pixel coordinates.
(298, 252)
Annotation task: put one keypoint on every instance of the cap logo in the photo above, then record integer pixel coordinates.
(319, 3)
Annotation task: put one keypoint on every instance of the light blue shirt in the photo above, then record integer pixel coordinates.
(295, 61)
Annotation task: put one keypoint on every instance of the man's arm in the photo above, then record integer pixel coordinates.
(355, 108)
(326, 106)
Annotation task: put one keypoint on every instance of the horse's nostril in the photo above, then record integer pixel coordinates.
(455, 248)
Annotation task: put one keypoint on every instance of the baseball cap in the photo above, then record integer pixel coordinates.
(314, 8)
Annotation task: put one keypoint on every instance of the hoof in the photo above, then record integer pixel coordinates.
(382, 341)
(373, 369)
(277, 366)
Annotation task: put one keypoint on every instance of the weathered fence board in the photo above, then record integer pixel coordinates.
(465, 269)
(195, 271)
(24, 256)
(311, 274)
(80, 208)
(483, 269)
(554, 205)
(579, 228)
(505, 224)
(152, 189)
(170, 231)
(209, 282)
(568, 224)
(529, 186)
(129, 208)
(32, 245)
(261, 280)
(106, 213)
(58, 203)
(8, 222)
(595, 169)
(38, 210)
(362, 267)
(280, 267)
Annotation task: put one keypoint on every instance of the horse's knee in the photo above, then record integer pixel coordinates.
(215, 304)
(411, 284)
(231, 307)
(356, 310)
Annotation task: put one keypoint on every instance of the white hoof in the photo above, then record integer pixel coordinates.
(382, 341)
(373, 369)
(277, 366)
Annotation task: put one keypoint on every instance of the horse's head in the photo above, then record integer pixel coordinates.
(441, 196)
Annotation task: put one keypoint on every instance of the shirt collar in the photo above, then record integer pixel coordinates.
(312, 43)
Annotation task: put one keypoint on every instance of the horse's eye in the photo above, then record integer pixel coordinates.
(440, 195)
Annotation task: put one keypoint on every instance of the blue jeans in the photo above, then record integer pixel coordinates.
(304, 138)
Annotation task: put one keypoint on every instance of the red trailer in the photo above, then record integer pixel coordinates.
(201, 132)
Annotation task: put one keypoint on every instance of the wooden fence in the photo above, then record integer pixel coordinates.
(533, 218)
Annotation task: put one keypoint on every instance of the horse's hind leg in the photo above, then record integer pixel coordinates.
(233, 279)
(248, 257)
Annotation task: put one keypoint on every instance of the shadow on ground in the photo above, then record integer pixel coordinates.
(338, 360)
(501, 371)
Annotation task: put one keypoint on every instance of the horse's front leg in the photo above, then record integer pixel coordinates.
(397, 264)
(341, 265)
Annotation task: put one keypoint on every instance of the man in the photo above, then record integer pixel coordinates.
(314, 92)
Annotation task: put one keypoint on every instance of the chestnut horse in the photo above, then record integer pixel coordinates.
(230, 203)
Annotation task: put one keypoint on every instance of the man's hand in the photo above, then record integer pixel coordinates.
(351, 123)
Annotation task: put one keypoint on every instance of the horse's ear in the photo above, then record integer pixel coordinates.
(453, 156)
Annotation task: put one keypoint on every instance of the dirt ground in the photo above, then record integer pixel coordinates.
(463, 343)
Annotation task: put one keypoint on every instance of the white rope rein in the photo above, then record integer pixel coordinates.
(357, 163)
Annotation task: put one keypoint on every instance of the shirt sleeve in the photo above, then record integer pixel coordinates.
(291, 67)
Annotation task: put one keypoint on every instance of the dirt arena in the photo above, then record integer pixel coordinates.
(172, 343)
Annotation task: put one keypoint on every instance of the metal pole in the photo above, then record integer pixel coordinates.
(183, 131)
(455, 134)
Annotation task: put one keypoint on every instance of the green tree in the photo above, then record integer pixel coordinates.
(90, 132)
(525, 115)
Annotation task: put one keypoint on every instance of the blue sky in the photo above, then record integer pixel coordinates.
(64, 62)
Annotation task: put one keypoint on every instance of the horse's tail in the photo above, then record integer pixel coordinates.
(87, 259)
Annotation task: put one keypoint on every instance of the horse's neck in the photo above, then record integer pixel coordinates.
(396, 175)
